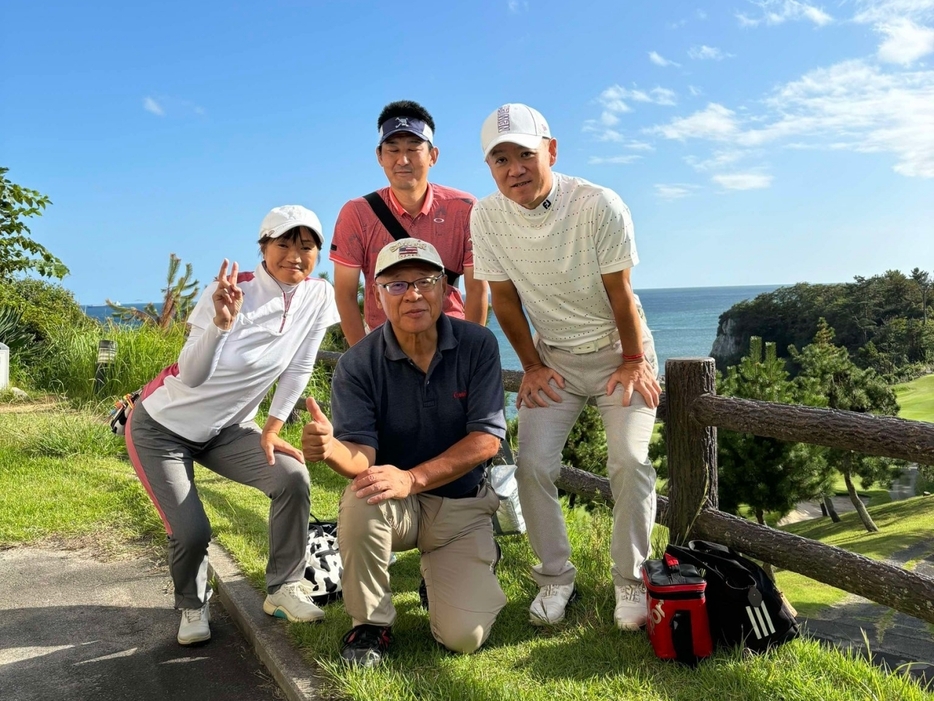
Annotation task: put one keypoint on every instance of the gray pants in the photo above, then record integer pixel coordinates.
(542, 435)
(164, 462)
(455, 537)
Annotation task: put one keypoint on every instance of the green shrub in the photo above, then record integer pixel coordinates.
(71, 361)
(44, 307)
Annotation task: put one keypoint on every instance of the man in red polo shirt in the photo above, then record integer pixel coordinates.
(433, 213)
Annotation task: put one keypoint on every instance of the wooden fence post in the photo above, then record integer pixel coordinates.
(692, 447)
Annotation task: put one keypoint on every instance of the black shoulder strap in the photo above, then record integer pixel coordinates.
(385, 216)
(394, 228)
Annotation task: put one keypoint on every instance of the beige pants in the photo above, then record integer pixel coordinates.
(455, 538)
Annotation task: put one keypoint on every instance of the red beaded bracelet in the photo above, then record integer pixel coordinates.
(633, 358)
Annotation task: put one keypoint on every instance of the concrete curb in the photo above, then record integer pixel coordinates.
(268, 636)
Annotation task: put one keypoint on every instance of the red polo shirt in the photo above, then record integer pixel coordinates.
(444, 221)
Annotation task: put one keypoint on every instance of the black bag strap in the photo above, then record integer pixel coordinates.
(385, 216)
(682, 638)
(395, 229)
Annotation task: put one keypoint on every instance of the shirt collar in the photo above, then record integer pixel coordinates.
(399, 210)
(446, 339)
(544, 207)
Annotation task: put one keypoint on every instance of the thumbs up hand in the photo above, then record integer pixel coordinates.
(318, 434)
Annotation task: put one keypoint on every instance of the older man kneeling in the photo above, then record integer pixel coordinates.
(418, 413)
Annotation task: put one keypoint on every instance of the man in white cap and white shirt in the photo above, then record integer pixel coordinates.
(559, 250)
(418, 413)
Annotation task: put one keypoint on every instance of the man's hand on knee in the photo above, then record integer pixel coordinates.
(381, 482)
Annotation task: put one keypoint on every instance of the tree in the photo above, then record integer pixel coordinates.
(765, 473)
(178, 299)
(923, 280)
(18, 252)
(834, 381)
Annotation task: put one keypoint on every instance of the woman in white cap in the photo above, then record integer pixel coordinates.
(249, 330)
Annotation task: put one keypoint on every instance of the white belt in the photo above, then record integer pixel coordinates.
(591, 346)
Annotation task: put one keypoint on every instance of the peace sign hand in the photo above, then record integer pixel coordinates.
(228, 298)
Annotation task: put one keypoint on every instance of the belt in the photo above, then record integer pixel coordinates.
(473, 492)
(591, 346)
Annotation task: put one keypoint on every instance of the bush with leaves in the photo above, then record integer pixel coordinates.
(19, 253)
(764, 473)
(830, 379)
(37, 311)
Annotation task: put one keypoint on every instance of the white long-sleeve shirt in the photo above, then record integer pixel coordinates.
(221, 377)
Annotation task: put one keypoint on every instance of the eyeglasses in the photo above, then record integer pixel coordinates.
(400, 287)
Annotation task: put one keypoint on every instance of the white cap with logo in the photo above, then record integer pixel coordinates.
(405, 250)
(281, 220)
(514, 123)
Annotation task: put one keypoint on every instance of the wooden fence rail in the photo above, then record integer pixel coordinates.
(693, 412)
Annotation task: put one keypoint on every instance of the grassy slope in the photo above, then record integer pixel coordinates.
(902, 524)
(59, 476)
(916, 399)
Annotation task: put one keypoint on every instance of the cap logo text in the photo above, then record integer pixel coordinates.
(502, 119)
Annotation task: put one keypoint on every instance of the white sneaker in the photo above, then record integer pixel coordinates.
(195, 627)
(293, 601)
(550, 603)
(630, 606)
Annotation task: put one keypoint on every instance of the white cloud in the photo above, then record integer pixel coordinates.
(717, 161)
(601, 131)
(705, 53)
(905, 41)
(853, 106)
(173, 106)
(674, 191)
(743, 181)
(716, 123)
(640, 146)
(694, 91)
(518, 6)
(613, 160)
(781, 11)
(700, 14)
(660, 60)
(150, 105)
(877, 11)
(614, 101)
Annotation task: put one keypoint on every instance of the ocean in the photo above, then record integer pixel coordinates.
(683, 320)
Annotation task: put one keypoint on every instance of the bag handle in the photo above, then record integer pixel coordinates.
(392, 225)
(672, 563)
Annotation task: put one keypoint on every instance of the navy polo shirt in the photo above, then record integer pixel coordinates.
(381, 399)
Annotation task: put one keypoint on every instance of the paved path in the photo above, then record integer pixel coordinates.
(897, 639)
(74, 628)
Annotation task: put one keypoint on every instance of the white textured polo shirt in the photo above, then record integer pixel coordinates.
(555, 254)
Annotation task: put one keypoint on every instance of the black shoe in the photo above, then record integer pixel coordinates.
(364, 645)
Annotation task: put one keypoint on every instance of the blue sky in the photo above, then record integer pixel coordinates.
(756, 142)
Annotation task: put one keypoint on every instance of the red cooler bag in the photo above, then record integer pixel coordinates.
(677, 621)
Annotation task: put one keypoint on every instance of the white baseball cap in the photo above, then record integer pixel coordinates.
(281, 220)
(514, 123)
(405, 250)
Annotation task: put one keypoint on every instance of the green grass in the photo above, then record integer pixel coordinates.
(60, 477)
(67, 494)
(901, 525)
(916, 399)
